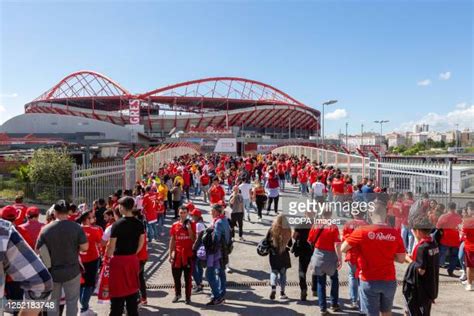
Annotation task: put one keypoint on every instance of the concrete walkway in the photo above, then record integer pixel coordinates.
(249, 283)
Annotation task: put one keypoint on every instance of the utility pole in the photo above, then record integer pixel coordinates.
(347, 125)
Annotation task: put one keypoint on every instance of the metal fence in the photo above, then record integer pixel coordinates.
(99, 180)
(398, 177)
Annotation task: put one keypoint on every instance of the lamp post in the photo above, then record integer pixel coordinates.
(347, 125)
(381, 122)
(324, 104)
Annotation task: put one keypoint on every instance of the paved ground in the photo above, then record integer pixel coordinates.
(248, 284)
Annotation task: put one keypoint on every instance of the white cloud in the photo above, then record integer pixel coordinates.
(337, 114)
(443, 122)
(424, 83)
(461, 105)
(2, 109)
(445, 75)
(8, 95)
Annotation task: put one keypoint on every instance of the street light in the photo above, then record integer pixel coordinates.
(381, 122)
(324, 104)
(347, 125)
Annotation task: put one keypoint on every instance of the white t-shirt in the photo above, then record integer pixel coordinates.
(245, 190)
(318, 188)
(200, 227)
(106, 234)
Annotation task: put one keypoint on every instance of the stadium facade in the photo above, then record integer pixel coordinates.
(220, 105)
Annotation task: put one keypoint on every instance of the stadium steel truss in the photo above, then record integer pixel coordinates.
(219, 102)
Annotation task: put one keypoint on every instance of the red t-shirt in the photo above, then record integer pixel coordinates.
(468, 231)
(450, 222)
(143, 253)
(150, 207)
(205, 179)
(183, 244)
(21, 213)
(302, 176)
(377, 246)
(94, 237)
(327, 238)
(33, 229)
(337, 186)
(313, 176)
(349, 227)
(216, 194)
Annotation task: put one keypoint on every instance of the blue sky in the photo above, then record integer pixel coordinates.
(380, 59)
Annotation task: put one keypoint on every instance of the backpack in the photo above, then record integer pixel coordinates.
(208, 240)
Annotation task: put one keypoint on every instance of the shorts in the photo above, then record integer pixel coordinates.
(469, 258)
(376, 296)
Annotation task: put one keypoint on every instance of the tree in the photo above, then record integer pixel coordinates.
(51, 167)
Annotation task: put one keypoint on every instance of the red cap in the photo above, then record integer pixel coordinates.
(196, 213)
(190, 206)
(33, 211)
(9, 212)
(377, 190)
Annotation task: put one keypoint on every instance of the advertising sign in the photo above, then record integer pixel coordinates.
(226, 145)
(134, 112)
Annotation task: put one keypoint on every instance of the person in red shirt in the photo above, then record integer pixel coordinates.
(142, 259)
(352, 256)
(449, 244)
(187, 182)
(33, 226)
(326, 260)
(21, 210)
(216, 192)
(281, 170)
(303, 179)
(337, 187)
(378, 246)
(468, 237)
(182, 235)
(205, 180)
(150, 209)
(90, 258)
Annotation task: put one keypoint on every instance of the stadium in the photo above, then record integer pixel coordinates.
(220, 105)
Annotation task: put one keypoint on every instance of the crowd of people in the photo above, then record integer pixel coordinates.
(103, 248)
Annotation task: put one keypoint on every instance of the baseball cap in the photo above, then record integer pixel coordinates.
(60, 206)
(190, 206)
(32, 211)
(9, 212)
(196, 213)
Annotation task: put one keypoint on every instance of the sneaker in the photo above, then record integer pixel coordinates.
(272, 295)
(212, 302)
(303, 296)
(219, 301)
(241, 239)
(335, 308)
(323, 312)
(354, 305)
(464, 282)
(283, 296)
(469, 287)
(463, 276)
(198, 289)
(188, 301)
(228, 270)
(451, 274)
(176, 299)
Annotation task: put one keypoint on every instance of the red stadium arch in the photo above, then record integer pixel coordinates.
(217, 101)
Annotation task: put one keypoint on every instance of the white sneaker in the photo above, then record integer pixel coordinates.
(469, 287)
(228, 270)
(464, 282)
(463, 276)
(283, 297)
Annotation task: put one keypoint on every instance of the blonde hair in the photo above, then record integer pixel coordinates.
(280, 235)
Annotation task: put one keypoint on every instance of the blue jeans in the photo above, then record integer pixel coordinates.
(376, 296)
(304, 189)
(197, 189)
(160, 224)
(453, 256)
(85, 297)
(282, 184)
(198, 272)
(408, 238)
(353, 283)
(217, 281)
(273, 277)
(321, 279)
(152, 231)
(461, 255)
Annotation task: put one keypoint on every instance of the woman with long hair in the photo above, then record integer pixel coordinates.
(279, 237)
